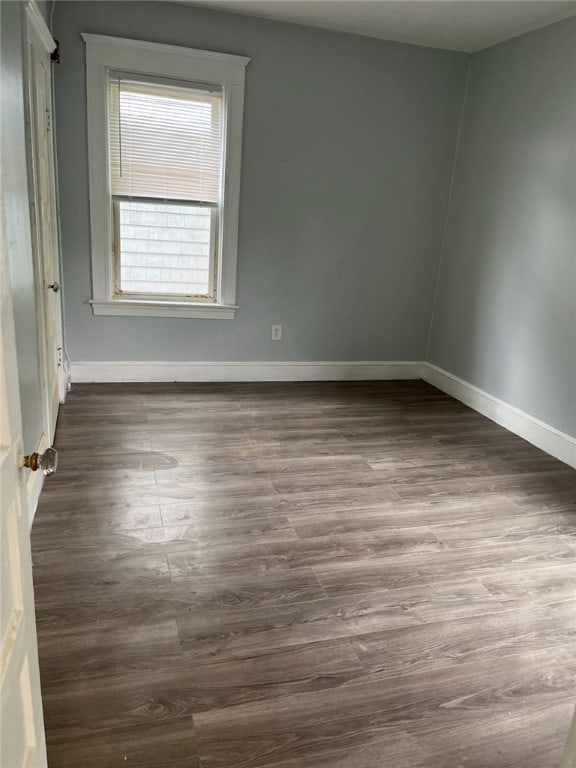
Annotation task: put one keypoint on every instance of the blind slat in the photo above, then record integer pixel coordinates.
(165, 141)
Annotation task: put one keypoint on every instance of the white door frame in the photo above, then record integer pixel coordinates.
(37, 36)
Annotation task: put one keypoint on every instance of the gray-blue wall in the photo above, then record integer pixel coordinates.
(45, 6)
(505, 313)
(348, 147)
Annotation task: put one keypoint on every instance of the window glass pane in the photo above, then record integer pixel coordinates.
(165, 249)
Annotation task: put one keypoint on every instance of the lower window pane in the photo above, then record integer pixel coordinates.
(165, 249)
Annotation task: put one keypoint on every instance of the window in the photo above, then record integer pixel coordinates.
(165, 144)
(164, 133)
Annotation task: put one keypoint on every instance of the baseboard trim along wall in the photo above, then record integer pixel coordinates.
(542, 435)
(558, 444)
(241, 371)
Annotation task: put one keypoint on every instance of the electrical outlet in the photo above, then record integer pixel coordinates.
(276, 333)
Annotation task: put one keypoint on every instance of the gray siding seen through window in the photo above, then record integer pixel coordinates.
(164, 248)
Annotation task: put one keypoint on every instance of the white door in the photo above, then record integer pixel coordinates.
(39, 45)
(22, 742)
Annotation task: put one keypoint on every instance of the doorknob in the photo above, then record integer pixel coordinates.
(54, 286)
(47, 461)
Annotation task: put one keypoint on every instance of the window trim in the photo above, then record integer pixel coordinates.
(105, 53)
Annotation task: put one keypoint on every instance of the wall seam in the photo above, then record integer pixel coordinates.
(447, 209)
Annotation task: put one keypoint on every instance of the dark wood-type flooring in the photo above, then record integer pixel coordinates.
(328, 575)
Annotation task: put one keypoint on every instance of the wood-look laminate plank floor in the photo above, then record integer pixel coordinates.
(328, 575)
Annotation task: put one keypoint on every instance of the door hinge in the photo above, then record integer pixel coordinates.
(59, 359)
(48, 120)
(55, 55)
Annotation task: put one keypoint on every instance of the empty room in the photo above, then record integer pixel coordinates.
(288, 384)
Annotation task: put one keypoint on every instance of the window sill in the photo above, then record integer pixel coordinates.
(128, 308)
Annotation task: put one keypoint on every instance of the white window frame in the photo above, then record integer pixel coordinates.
(105, 53)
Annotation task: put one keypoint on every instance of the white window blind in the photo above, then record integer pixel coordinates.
(165, 141)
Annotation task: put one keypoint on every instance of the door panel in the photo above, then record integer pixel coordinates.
(21, 724)
(44, 220)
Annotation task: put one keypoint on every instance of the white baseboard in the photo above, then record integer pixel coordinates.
(96, 371)
(34, 483)
(558, 444)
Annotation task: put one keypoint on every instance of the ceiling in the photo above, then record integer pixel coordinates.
(457, 25)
